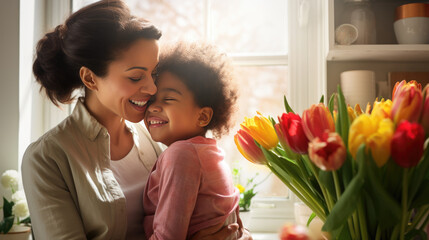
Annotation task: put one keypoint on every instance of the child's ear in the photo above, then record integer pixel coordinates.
(205, 116)
(88, 78)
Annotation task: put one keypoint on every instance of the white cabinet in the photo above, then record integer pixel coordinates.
(383, 57)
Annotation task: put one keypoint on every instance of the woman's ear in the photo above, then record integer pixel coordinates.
(88, 78)
(205, 116)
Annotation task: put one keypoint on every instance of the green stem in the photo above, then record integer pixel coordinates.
(362, 220)
(351, 228)
(378, 233)
(328, 198)
(337, 184)
(307, 194)
(356, 225)
(421, 213)
(318, 212)
(404, 203)
(394, 235)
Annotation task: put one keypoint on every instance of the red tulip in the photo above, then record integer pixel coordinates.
(407, 144)
(317, 120)
(248, 148)
(327, 152)
(291, 132)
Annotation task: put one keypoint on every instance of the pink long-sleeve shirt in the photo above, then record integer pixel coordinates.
(190, 188)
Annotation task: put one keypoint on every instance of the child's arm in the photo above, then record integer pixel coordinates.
(178, 191)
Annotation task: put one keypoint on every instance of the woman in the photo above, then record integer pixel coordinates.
(84, 179)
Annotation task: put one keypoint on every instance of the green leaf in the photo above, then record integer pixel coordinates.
(322, 99)
(6, 224)
(422, 196)
(418, 176)
(347, 203)
(287, 107)
(312, 216)
(343, 117)
(327, 181)
(331, 103)
(7, 208)
(387, 208)
(26, 220)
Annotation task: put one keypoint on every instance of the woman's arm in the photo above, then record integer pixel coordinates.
(52, 210)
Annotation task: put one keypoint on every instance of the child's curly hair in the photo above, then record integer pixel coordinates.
(208, 74)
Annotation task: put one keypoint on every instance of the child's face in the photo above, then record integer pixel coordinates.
(173, 115)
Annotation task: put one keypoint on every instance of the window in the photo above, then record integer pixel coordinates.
(255, 34)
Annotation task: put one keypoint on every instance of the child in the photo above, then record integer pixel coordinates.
(190, 187)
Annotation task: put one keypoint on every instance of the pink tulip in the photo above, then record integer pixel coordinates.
(317, 120)
(398, 86)
(407, 144)
(407, 104)
(327, 152)
(291, 132)
(248, 148)
(424, 118)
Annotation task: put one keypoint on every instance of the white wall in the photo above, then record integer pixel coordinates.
(9, 84)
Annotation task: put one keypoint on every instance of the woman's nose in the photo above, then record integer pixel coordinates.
(149, 87)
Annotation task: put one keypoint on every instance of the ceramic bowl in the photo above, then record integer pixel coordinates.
(412, 30)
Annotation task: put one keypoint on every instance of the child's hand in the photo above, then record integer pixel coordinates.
(217, 232)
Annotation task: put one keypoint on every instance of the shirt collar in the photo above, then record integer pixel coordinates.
(85, 121)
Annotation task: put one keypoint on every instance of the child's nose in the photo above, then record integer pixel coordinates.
(154, 108)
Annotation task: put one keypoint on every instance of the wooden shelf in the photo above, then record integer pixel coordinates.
(380, 52)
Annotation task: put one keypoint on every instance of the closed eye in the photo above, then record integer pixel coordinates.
(135, 79)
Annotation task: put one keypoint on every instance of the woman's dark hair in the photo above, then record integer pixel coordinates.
(208, 74)
(91, 37)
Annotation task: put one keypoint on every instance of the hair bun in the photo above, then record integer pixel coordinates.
(52, 69)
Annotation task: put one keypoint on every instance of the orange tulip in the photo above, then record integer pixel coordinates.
(317, 120)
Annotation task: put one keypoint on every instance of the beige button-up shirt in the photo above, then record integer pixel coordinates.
(70, 189)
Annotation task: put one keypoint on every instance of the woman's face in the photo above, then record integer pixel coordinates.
(173, 115)
(128, 84)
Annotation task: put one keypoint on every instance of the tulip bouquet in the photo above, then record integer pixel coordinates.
(364, 174)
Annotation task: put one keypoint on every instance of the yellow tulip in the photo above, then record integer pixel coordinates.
(379, 142)
(382, 109)
(358, 110)
(375, 132)
(261, 129)
(351, 113)
(359, 131)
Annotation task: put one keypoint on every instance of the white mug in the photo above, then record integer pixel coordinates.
(358, 87)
